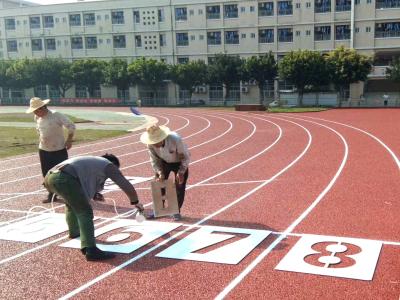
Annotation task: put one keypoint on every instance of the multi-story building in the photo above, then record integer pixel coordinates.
(177, 31)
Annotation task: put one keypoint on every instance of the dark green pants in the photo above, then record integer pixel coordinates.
(78, 212)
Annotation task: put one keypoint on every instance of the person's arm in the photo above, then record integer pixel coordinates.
(115, 175)
(70, 126)
(156, 163)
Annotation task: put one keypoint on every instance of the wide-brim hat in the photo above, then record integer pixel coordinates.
(154, 134)
(36, 103)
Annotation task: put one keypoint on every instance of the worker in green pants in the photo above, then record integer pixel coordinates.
(77, 180)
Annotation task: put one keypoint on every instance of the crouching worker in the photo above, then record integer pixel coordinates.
(77, 180)
(168, 154)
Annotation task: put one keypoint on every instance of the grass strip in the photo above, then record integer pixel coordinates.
(17, 141)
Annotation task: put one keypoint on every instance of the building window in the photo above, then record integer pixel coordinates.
(356, 2)
(308, 4)
(76, 43)
(214, 38)
(243, 36)
(266, 36)
(180, 13)
(192, 37)
(89, 19)
(285, 35)
(322, 33)
(12, 46)
(298, 33)
(243, 9)
(230, 11)
(182, 39)
(183, 60)
(138, 40)
(298, 5)
(342, 32)
(10, 24)
(252, 9)
(119, 41)
(343, 5)
(265, 9)
(232, 37)
(213, 12)
(322, 6)
(136, 16)
(357, 30)
(48, 22)
(308, 32)
(191, 12)
(50, 44)
(368, 29)
(161, 16)
(91, 42)
(163, 40)
(253, 35)
(285, 8)
(117, 17)
(34, 22)
(37, 45)
(383, 30)
(75, 20)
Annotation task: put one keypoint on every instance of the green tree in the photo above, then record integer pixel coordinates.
(148, 72)
(116, 73)
(303, 68)
(346, 66)
(54, 72)
(226, 70)
(4, 78)
(189, 75)
(393, 72)
(20, 74)
(88, 73)
(261, 69)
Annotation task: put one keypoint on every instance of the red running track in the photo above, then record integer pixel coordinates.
(334, 173)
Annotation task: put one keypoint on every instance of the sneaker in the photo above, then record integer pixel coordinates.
(177, 217)
(150, 216)
(94, 253)
(74, 236)
(48, 199)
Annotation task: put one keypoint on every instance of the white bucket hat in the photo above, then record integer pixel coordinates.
(36, 103)
(154, 134)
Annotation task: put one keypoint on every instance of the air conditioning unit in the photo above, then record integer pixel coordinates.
(202, 89)
(244, 89)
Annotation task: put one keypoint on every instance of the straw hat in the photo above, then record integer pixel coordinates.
(154, 134)
(36, 103)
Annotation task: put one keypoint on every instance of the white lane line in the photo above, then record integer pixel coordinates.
(291, 227)
(395, 158)
(128, 262)
(147, 204)
(79, 154)
(85, 145)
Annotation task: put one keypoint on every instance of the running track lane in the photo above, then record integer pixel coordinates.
(199, 289)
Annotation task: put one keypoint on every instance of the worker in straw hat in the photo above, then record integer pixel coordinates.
(168, 154)
(52, 144)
